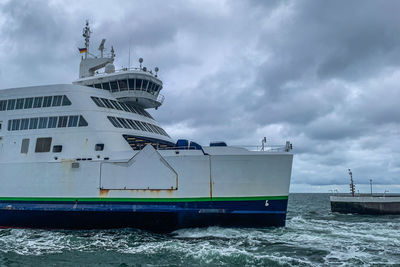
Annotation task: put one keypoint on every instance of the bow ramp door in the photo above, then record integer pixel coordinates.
(146, 170)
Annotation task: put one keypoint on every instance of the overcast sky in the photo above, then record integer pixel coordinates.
(324, 75)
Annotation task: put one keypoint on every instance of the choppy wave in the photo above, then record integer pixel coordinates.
(313, 237)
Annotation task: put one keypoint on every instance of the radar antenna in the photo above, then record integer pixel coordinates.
(112, 52)
(101, 47)
(86, 33)
(140, 62)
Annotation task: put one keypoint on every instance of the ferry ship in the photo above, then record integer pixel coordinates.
(88, 155)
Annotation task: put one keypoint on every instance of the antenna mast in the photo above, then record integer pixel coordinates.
(129, 56)
(352, 186)
(86, 33)
(101, 47)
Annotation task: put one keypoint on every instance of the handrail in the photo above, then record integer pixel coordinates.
(145, 94)
(128, 69)
(273, 148)
(270, 148)
(160, 98)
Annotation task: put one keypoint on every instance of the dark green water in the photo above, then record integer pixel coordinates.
(313, 237)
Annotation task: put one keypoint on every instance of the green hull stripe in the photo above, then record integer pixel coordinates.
(92, 199)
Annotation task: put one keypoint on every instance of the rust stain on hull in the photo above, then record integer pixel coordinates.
(104, 192)
(139, 192)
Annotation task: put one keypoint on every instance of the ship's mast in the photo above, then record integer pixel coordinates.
(86, 33)
(89, 64)
(352, 186)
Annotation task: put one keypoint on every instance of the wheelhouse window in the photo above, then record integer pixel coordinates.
(114, 86)
(145, 83)
(150, 88)
(138, 84)
(131, 83)
(123, 85)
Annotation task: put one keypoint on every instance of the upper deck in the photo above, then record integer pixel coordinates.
(136, 86)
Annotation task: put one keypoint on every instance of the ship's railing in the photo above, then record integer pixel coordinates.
(268, 148)
(160, 98)
(178, 148)
(338, 194)
(129, 69)
(276, 148)
(141, 94)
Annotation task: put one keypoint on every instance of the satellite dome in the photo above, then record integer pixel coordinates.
(110, 68)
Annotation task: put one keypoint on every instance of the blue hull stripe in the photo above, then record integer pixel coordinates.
(155, 216)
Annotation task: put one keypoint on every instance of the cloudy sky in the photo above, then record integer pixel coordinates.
(323, 74)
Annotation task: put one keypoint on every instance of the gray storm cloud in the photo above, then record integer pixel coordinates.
(323, 75)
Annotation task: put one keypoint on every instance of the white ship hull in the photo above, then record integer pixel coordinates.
(186, 189)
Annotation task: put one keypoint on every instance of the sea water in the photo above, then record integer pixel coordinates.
(313, 236)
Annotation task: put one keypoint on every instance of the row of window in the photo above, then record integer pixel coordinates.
(35, 102)
(47, 122)
(129, 84)
(136, 125)
(43, 144)
(139, 142)
(109, 103)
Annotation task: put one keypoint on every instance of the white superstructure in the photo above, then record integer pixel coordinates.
(94, 142)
